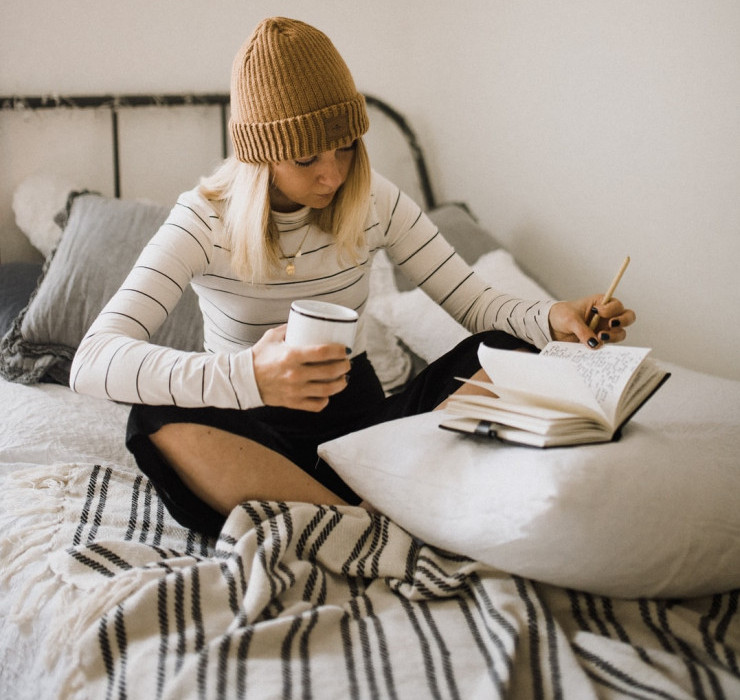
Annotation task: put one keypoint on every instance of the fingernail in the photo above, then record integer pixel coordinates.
(604, 337)
(593, 310)
(615, 323)
(348, 350)
(592, 342)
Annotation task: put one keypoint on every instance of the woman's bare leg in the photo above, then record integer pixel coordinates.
(480, 376)
(224, 469)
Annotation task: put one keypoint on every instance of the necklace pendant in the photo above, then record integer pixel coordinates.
(290, 269)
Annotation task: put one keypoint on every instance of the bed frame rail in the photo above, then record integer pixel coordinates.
(115, 103)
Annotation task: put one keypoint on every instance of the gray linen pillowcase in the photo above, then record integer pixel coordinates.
(101, 241)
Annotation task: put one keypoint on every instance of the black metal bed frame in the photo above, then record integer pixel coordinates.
(115, 103)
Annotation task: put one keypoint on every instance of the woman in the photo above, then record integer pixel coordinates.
(296, 213)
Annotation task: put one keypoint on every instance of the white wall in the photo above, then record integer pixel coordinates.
(579, 131)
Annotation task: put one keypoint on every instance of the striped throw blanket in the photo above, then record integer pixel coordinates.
(297, 600)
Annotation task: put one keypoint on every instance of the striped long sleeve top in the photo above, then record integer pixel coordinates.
(117, 360)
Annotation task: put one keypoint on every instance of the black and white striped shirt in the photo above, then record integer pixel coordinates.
(117, 360)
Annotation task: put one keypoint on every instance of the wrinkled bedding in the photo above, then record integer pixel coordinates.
(105, 595)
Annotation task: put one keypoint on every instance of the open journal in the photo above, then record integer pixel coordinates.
(566, 395)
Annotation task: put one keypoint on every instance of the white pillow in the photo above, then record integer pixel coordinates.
(428, 329)
(391, 362)
(36, 202)
(655, 514)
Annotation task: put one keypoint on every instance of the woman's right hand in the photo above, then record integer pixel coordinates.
(302, 378)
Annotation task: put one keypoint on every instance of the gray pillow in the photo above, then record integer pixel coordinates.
(101, 241)
(461, 231)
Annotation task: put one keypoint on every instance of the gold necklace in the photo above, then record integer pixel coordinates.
(290, 267)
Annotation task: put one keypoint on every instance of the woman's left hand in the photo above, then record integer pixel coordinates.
(569, 321)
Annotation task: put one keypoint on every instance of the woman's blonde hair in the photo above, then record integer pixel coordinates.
(242, 191)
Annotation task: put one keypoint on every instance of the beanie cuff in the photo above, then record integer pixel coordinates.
(301, 136)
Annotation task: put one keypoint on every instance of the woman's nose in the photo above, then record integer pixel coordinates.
(330, 172)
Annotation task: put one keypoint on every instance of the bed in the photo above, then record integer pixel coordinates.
(609, 571)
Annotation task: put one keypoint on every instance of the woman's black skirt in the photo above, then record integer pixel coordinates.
(296, 434)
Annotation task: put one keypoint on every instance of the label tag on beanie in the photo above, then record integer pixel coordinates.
(336, 127)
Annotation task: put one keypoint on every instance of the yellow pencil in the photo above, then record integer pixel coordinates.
(610, 292)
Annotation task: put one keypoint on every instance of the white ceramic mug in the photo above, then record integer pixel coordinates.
(319, 322)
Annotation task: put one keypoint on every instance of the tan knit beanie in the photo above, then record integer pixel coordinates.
(292, 95)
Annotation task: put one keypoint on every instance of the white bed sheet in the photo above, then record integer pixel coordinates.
(48, 423)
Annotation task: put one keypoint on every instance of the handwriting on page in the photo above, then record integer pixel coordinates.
(605, 371)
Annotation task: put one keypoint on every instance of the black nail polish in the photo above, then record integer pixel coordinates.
(593, 310)
(592, 342)
(348, 350)
(604, 337)
(615, 323)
